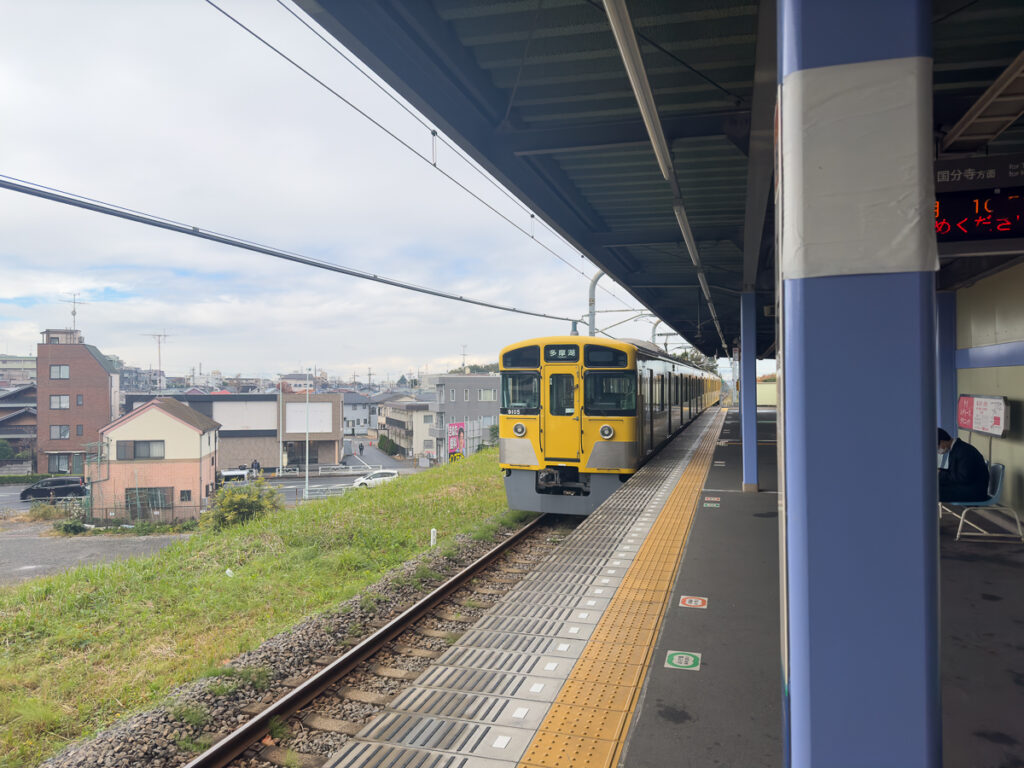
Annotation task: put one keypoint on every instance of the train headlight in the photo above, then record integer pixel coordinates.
(518, 429)
(606, 431)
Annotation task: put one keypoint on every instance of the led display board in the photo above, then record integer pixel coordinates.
(982, 214)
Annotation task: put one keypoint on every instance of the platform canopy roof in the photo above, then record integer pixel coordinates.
(539, 93)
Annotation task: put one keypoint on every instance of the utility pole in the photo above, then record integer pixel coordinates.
(369, 378)
(463, 358)
(305, 493)
(159, 358)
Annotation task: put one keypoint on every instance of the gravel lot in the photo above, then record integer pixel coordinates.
(28, 550)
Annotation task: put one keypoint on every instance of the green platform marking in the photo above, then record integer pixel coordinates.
(711, 504)
(683, 660)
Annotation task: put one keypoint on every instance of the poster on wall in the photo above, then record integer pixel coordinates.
(981, 413)
(456, 440)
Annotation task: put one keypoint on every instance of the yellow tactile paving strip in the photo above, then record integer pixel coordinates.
(586, 725)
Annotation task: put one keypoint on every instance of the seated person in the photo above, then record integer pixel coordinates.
(966, 477)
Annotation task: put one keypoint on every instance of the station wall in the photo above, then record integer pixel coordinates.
(990, 319)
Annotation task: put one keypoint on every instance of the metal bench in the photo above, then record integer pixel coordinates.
(961, 509)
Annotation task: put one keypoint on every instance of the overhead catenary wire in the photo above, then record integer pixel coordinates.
(404, 143)
(435, 135)
(91, 204)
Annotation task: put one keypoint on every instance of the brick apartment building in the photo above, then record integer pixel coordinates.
(77, 395)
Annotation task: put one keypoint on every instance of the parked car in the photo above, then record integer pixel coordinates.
(55, 488)
(375, 478)
(240, 475)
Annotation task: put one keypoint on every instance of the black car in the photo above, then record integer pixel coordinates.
(55, 488)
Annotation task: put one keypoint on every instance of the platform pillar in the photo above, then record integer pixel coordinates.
(748, 389)
(857, 260)
(945, 360)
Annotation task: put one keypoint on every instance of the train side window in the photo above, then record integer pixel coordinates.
(561, 400)
(609, 394)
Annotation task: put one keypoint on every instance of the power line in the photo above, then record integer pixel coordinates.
(434, 133)
(404, 143)
(91, 204)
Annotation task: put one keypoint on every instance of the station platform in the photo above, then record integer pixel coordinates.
(651, 637)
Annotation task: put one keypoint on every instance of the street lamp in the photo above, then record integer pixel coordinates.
(305, 494)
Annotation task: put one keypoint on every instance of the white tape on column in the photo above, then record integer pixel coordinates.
(858, 189)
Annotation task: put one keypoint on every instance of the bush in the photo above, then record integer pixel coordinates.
(389, 446)
(69, 526)
(22, 479)
(234, 504)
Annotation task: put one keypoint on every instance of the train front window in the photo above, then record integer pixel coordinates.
(524, 357)
(563, 388)
(520, 393)
(609, 394)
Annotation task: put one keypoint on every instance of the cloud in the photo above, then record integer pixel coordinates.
(170, 109)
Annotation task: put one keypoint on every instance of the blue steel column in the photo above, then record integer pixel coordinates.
(857, 257)
(748, 390)
(945, 357)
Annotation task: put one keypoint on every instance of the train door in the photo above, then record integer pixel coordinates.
(561, 416)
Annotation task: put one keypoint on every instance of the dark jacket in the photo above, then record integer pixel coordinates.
(966, 479)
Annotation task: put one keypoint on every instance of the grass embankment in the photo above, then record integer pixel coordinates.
(81, 648)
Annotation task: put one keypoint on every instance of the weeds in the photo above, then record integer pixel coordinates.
(257, 677)
(369, 601)
(190, 714)
(84, 647)
(278, 729)
(40, 511)
(186, 744)
(225, 688)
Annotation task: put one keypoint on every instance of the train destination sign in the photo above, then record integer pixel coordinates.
(982, 414)
(988, 214)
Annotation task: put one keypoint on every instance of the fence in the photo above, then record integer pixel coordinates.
(124, 514)
(323, 493)
(345, 469)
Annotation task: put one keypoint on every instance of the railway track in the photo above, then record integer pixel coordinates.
(319, 714)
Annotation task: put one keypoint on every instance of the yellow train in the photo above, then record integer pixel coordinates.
(579, 415)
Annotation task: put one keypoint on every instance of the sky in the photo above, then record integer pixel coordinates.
(169, 108)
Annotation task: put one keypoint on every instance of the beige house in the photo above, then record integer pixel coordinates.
(159, 462)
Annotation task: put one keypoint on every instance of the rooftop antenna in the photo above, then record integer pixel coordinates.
(74, 302)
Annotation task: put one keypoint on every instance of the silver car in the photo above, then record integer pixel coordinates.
(379, 477)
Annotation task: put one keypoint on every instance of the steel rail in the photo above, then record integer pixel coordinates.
(234, 744)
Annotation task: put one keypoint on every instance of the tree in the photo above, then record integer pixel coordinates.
(477, 368)
(6, 451)
(699, 360)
